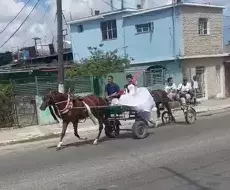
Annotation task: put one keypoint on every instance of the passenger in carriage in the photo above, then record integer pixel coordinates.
(171, 89)
(184, 91)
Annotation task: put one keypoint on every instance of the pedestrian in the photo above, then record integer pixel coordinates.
(195, 88)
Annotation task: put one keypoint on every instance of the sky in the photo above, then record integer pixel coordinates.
(42, 22)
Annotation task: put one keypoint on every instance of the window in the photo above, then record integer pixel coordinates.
(109, 30)
(141, 28)
(80, 28)
(203, 26)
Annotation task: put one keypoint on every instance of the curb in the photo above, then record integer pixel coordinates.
(42, 137)
(89, 129)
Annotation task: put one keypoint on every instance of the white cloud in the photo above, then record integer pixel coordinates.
(47, 28)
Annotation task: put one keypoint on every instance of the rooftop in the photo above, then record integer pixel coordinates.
(134, 12)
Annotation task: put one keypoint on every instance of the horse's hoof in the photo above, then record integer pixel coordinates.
(58, 148)
(95, 142)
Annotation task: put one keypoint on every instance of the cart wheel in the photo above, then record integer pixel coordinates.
(139, 130)
(194, 112)
(166, 118)
(190, 116)
(113, 129)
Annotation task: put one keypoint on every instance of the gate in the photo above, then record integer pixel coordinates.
(155, 78)
(200, 79)
(26, 111)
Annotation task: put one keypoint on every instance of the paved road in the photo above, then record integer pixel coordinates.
(175, 157)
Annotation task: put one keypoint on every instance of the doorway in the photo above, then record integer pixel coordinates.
(227, 78)
(200, 79)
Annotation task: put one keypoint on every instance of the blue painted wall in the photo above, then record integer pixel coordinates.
(145, 47)
(91, 36)
(158, 44)
(226, 30)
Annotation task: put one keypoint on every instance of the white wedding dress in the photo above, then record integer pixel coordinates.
(138, 98)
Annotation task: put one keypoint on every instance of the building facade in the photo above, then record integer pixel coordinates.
(169, 41)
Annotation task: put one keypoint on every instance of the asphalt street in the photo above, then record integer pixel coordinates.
(173, 157)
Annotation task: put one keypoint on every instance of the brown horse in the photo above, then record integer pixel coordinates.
(73, 110)
(161, 98)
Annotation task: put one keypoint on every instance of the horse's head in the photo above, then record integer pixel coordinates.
(47, 100)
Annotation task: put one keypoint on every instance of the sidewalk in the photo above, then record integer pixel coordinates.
(33, 133)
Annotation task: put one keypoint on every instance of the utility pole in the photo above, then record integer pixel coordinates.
(112, 5)
(122, 4)
(60, 47)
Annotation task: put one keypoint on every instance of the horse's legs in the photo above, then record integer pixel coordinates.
(169, 110)
(100, 119)
(75, 127)
(64, 127)
(158, 115)
(158, 110)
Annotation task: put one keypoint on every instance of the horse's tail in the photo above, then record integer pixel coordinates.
(91, 116)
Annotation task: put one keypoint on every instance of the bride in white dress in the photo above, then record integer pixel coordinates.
(139, 98)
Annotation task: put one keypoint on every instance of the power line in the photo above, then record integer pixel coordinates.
(21, 24)
(109, 4)
(15, 16)
(64, 19)
(46, 11)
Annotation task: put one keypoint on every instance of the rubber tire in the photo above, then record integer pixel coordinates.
(192, 111)
(162, 118)
(135, 129)
(112, 131)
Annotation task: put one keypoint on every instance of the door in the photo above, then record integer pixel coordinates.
(200, 79)
(227, 78)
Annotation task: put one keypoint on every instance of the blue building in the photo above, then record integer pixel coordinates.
(162, 41)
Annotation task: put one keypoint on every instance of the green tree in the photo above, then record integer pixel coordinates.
(5, 58)
(99, 63)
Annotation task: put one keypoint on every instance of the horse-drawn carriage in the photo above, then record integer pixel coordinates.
(188, 111)
(116, 114)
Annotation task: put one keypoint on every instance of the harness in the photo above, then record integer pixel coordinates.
(69, 105)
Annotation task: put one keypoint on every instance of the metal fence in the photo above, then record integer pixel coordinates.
(39, 85)
(21, 109)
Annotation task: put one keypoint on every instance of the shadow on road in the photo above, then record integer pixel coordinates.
(127, 135)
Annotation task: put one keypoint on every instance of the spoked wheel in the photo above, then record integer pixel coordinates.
(139, 130)
(190, 115)
(166, 118)
(112, 129)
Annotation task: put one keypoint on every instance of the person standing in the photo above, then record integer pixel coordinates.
(111, 89)
(195, 88)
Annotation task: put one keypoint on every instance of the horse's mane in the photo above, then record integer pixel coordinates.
(56, 112)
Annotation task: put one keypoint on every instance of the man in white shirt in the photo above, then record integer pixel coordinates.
(171, 88)
(184, 90)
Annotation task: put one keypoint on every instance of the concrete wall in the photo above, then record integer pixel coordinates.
(44, 117)
(195, 44)
(145, 47)
(156, 45)
(214, 75)
(91, 36)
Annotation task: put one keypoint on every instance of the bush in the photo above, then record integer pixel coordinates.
(6, 106)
